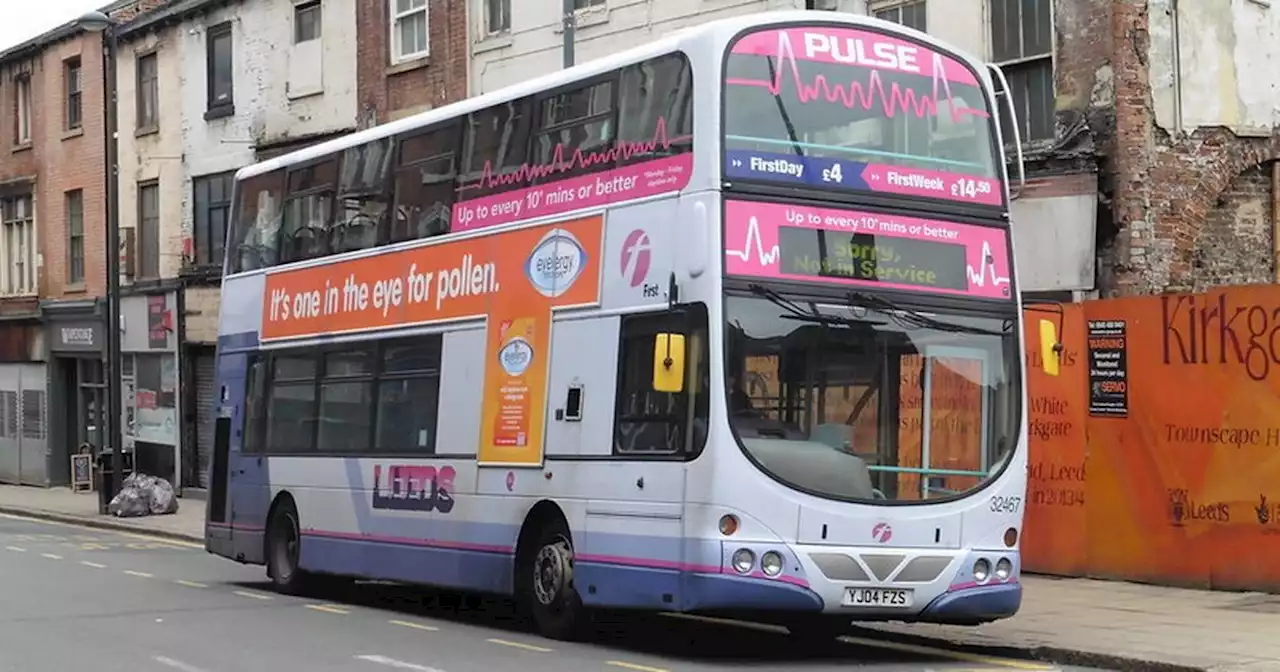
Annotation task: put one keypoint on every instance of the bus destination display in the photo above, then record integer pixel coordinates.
(872, 258)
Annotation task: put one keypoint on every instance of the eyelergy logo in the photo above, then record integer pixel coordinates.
(516, 356)
(555, 263)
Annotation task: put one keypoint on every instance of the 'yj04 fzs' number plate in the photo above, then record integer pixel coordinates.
(878, 597)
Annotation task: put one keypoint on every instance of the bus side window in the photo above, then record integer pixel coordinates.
(426, 171)
(257, 221)
(308, 213)
(653, 422)
(362, 196)
(655, 109)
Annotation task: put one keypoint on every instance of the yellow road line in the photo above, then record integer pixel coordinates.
(51, 556)
(94, 565)
(415, 626)
(16, 549)
(922, 650)
(190, 584)
(256, 596)
(328, 609)
(633, 666)
(917, 649)
(143, 575)
(519, 645)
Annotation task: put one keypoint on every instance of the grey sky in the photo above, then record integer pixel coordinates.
(38, 17)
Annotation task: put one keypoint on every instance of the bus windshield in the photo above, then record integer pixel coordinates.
(850, 109)
(857, 403)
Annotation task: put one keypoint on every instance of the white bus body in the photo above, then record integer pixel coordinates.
(548, 342)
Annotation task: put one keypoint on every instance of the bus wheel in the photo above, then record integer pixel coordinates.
(284, 548)
(551, 599)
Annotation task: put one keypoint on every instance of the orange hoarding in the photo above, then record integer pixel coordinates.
(436, 283)
(514, 279)
(1054, 541)
(1179, 463)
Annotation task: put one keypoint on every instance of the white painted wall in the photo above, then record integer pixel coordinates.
(1223, 67)
(533, 46)
(268, 106)
(281, 91)
(154, 156)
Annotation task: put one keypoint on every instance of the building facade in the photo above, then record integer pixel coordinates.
(207, 88)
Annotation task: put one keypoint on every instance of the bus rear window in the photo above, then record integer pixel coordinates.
(850, 109)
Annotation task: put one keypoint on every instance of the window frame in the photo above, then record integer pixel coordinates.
(260, 384)
(1030, 65)
(303, 7)
(399, 56)
(143, 257)
(538, 128)
(214, 107)
(75, 270)
(205, 207)
(73, 94)
(148, 85)
(24, 218)
(501, 10)
(882, 10)
(689, 319)
(22, 109)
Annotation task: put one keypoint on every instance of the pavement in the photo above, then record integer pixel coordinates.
(1101, 624)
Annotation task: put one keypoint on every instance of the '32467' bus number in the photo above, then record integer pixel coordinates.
(1010, 505)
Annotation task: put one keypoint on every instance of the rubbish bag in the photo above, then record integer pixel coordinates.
(143, 495)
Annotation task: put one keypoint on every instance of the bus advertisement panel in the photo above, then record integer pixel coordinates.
(850, 109)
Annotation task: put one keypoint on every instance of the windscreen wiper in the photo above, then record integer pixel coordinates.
(794, 310)
(914, 319)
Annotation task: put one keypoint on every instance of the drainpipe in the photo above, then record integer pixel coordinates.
(1177, 68)
(1275, 219)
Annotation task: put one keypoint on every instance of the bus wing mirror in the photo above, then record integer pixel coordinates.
(1050, 348)
(668, 363)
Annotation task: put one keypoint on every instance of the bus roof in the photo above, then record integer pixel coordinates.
(720, 29)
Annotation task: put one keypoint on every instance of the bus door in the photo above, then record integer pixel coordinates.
(246, 472)
(953, 455)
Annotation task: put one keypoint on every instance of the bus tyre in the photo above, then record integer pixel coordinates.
(548, 592)
(284, 548)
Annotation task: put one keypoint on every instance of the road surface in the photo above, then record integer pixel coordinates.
(77, 598)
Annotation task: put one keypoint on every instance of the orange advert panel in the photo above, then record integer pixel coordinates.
(556, 265)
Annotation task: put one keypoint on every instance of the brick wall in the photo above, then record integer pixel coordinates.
(1188, 212)
(71, 160)
(390, 91)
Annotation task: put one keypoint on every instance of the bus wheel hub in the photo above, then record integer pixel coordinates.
(552, 573)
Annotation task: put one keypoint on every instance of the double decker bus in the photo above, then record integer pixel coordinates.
(724, 324)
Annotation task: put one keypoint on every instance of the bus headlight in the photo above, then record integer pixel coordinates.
(981, 570)
(744, 560)
(771, 563)
(1004, 568)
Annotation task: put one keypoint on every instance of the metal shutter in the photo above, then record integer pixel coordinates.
(206, 399)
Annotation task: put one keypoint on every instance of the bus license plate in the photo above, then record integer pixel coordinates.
(878, 597)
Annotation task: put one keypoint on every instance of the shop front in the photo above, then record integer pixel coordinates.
(24, 450)
(76, 383)
(151, 382)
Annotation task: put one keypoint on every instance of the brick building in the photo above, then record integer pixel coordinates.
(52, 190)
(410, 61)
